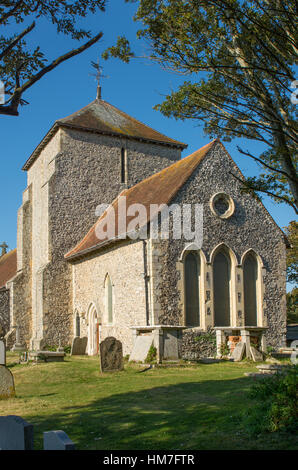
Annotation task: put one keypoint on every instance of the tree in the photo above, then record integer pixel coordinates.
(240, 56)
(292, 253)
(292, 306)
(20, 66)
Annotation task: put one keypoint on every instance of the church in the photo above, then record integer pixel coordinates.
(84, 267)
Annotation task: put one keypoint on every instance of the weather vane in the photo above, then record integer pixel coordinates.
(98, 76)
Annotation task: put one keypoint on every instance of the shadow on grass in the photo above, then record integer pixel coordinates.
(192, 415)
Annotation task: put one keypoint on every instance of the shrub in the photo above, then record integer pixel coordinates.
(67, 349)
(151, 356)
(277, 407)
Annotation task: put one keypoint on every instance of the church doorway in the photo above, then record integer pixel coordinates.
(93, 331)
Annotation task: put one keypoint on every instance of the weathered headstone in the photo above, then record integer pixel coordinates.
(57, 440)
(257, 356)
(170, 345)
(111, 355)
(2, 353)
(18, 346)
(15, 433)
(79, 345)
(238, 352)
(141, 348)
(7, 389)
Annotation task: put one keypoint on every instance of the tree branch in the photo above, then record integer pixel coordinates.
(12, 108)
(265, 191)
(16, 40)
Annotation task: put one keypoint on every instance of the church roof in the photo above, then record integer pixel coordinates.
(103, 118)
(8, 267)
(159, 188)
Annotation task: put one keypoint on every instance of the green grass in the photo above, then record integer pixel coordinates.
(173, 409)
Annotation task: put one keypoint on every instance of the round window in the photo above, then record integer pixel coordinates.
(222, 205)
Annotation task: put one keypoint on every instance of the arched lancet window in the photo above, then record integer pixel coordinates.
(78, 325)
(221, 288)
(250, 279)
(191, 288)
(109, 298)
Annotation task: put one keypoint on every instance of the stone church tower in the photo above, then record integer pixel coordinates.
(86, 159)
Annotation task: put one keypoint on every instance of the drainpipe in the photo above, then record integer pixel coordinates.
(146, 279)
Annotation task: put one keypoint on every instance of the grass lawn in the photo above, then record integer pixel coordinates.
(172, 409)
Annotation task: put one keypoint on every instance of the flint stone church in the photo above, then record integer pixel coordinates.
(64, 281)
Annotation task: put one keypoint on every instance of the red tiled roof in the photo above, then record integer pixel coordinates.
(8, 267)
(159, 188)
(101, 117)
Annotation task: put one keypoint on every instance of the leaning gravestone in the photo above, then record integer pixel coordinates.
(257, 356)
(7, 389)
(15, 433)
(2, 353)
(79, 345)
(110, 355)
(238, 352)
(57, 440)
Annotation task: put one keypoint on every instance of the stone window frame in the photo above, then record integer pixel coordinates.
(233, 284)
(229, 212)
(106, 304)
(260, 286)
(192, 248)
(123, 166)
(75, 315)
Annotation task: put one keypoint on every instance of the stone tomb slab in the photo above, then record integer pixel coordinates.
(47, 356)
(79, 345)
(257, 356)
(141, 348)
(2, 353)
(110, 355)
(15, 433)
(170, 345)
(7, 389)
(238, 352)
(57, 440)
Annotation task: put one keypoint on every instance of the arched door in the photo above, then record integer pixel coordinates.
(93, 331)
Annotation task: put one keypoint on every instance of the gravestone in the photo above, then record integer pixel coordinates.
(110, 355)
(79, 345)
(57, 440)
(170, 345)
(141, 348)
(257, 356)
(7, 389)
(238, 352)
(18, 346)
(15, 433)
(2, 353)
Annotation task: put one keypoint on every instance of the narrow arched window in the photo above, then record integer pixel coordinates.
(221, 289)
(123, 166)
(250, 279)
(78, 325)
(109, 299)
(191, 289)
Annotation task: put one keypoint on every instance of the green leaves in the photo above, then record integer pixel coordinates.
(21, 65)
(122, 50)
(240, 57)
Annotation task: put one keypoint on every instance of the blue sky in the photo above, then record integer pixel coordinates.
(135, 88)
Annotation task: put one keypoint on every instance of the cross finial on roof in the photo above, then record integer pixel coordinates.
(3, 247)
(98, 76)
